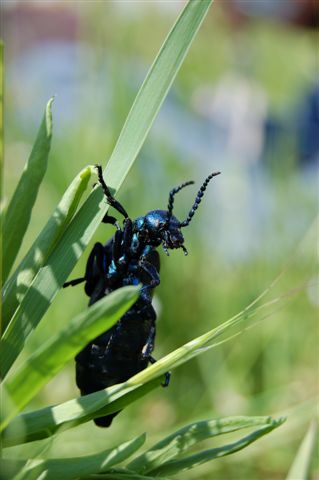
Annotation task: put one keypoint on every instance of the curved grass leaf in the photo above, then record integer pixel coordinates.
(18, 214)
(38, 369)
(195, 347)
(301, 466)
(37, 299)
(43, 423)
(176, 466)
(71, 468)
(179, 442)
(18, 284)
(150, 97)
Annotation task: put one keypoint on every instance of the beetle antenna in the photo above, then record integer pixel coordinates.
(109, 197)
(198, 199)
(171, 198)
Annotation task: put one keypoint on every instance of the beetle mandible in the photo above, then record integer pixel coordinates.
(129, 258)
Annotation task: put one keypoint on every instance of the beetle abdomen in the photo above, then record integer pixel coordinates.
(118, 354)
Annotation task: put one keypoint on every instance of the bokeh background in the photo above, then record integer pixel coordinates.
(245, 102)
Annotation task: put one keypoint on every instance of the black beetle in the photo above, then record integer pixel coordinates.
(129, 258)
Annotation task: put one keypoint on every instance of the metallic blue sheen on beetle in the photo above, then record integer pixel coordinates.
(130, 257)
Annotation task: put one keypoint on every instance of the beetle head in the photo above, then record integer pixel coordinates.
(162, 227)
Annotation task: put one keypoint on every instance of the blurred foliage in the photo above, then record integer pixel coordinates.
(269, 369)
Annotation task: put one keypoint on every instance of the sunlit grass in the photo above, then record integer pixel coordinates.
(266, 369)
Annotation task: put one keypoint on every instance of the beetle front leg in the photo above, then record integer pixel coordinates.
(127, 235)
(108, 219)
(109, 197)
(147, 268)
(121, 244)
(117, 247)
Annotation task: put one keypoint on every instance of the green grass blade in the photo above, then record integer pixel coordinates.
(20, 281)
(150, 97)
(300, 469)
(42, 291)
(43, 423)
(154, 89)
(9, 468)
(176, 444)
(18, 214)
(194, 347)
(77, 467)
(176, 466)
(38, 369)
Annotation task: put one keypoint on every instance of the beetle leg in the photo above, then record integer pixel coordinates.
(149, 345)
(152, 256)
(165, 249)
(74, 282)
(111, 220)
(127, 235)
(121, 243)
(110, 199)
(167, 375)
(184, 250)
(151, 272)
(117, 247)
(147, 354)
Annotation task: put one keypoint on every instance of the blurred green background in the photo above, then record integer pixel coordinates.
(246, 103)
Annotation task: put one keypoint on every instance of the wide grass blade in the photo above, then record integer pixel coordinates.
(38, 369)
(175, 466)
(77, 467)
(300, 469)
(19, 211)
(45, 422)
(153, 92)
(18, 284)
(178, 443)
